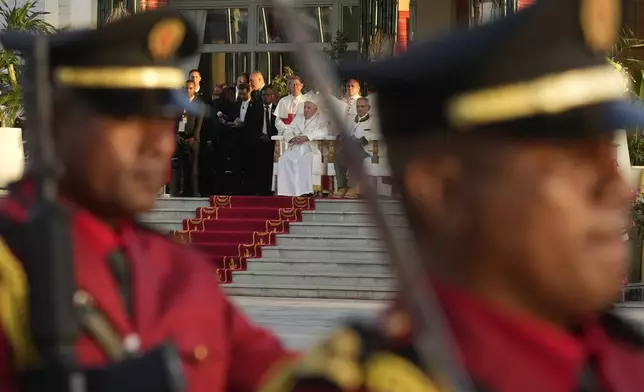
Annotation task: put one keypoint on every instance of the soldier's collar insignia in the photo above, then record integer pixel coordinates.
(165, 38)
(600, 23)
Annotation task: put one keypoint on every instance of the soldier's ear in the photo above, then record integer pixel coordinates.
(428, 184)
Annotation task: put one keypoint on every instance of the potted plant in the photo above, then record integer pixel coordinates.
(24, 17)
(621, 57)
(338, 49)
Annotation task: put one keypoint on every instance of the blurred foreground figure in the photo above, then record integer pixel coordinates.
(117, 94)
(512, 192)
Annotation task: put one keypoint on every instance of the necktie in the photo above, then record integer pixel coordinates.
(267, 119)
(588, 379)
(122, 272)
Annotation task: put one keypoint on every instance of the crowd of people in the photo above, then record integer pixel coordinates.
(230, 149)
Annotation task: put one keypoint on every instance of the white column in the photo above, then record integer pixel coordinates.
(61, 13)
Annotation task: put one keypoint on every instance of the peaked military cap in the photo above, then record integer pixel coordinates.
(128, 67)
(541, 72)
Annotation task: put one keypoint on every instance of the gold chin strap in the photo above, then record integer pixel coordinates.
(552, 94)
(14, 307)
(120, 77)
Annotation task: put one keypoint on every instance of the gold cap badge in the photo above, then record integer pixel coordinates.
(600, 23)
(165, 38)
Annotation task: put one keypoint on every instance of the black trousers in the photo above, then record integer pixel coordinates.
(260, 168)
(228, 173)
(206, 168)
(185, 174)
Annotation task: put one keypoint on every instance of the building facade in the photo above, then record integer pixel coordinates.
(244, 35)
(61, 13)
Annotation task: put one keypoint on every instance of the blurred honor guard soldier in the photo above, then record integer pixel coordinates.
(512, 192)
(135, 289)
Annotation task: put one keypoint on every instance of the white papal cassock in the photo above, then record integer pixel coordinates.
(287, 109)
(300, 168)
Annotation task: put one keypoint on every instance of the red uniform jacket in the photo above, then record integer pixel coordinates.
(501, 352)
(175, 296)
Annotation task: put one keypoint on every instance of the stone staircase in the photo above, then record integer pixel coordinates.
(633, 294)
(170, 212)
(334, 252)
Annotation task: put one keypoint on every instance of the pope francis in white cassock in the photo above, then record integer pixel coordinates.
(302, 162)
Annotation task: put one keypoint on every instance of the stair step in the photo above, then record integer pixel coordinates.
(344, 228)
(349, 216)
(306, 291)
(336, 205)
(191, 203)
(305, 265)
(315, 278)
(323, 253)
(167, 214)
(163, 226)
(633, 293)
(335, 241)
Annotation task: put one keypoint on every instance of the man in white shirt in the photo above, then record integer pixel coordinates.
(353, 93)
(291, 105)
(361, 129)
(242, 79)
(298, 166)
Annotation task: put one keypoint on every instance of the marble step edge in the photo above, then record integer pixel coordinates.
(206, 199)
(356, 201)
(314, 261)
(340, 212)
(323, 248)
(342, 224)
(171, 209)
(307, 287)
(630, 304)
(156, 222)
(330, 236)
(316, 274)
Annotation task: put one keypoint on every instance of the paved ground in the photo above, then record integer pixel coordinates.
(300, 322)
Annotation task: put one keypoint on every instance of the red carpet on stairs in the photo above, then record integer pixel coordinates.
(234, 228)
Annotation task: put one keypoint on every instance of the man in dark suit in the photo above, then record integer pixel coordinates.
(205, 96)
(185, 178)
(257, 85)
(206, 152)
(234, 139)
(259, 162)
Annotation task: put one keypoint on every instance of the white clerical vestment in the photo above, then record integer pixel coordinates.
(287, 108)
(368, 127)
(350, 110)
(300, 168)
